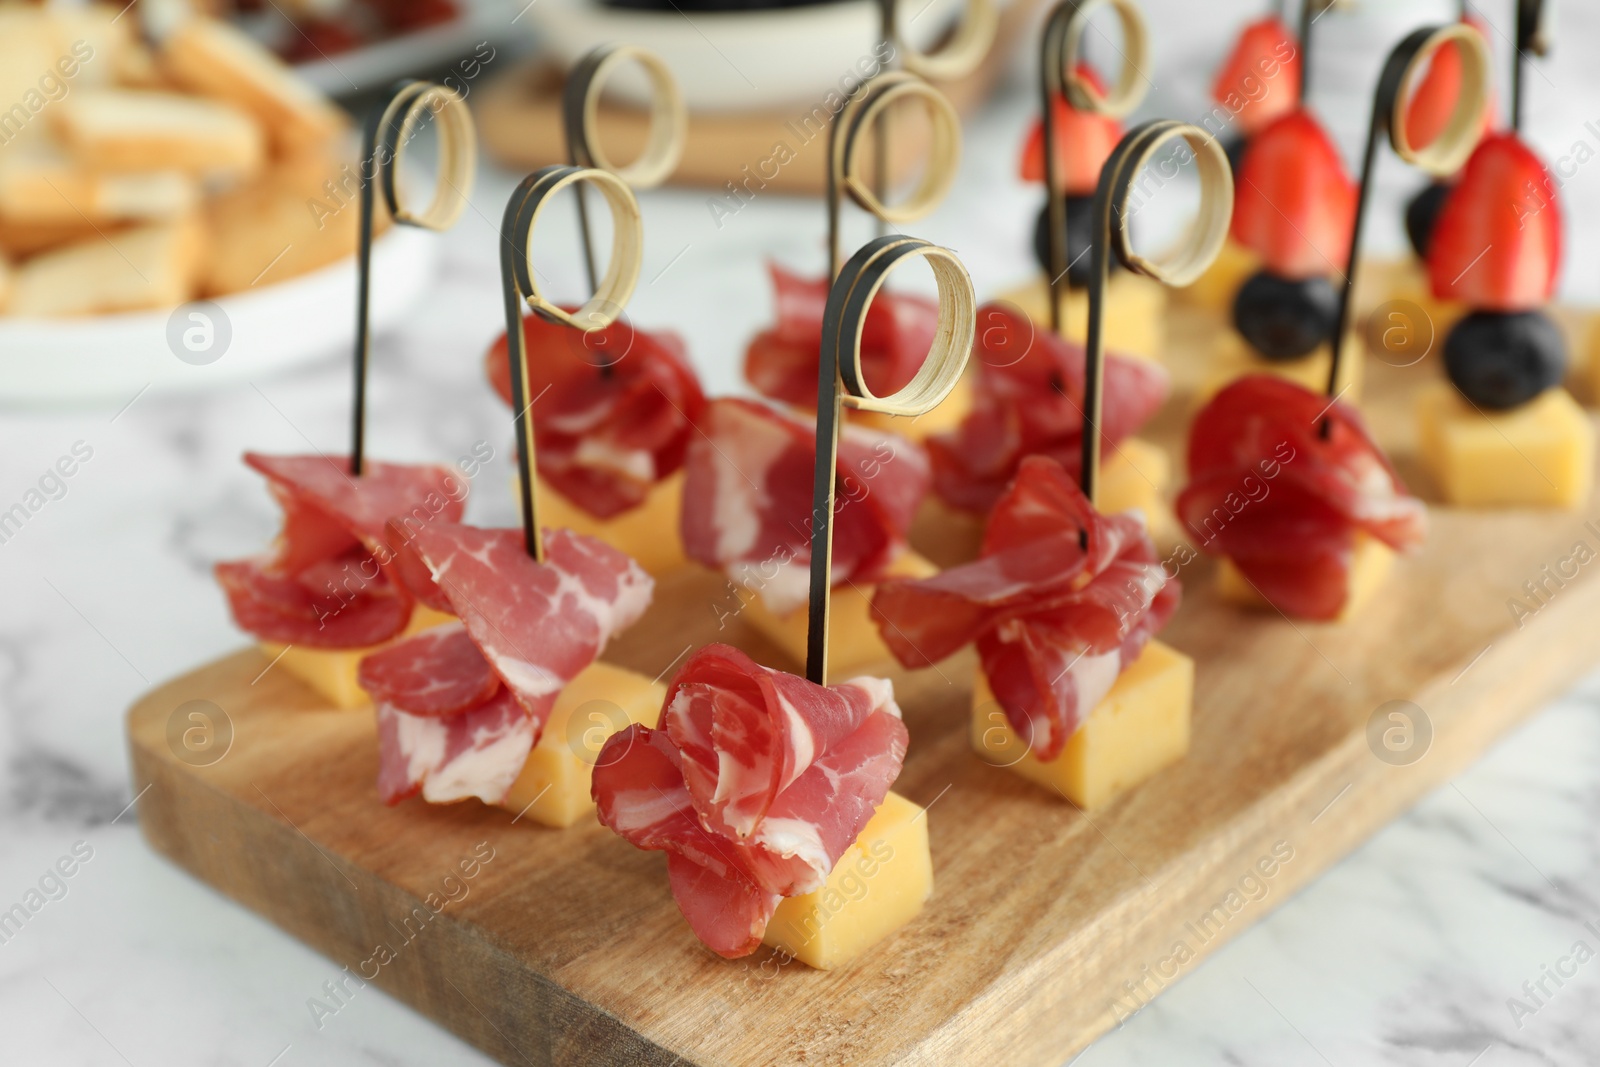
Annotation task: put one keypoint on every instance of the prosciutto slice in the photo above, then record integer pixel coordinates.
(1028, 400)
(754, 785)
(1269, 492)
(781, 362)
(333, 579)
(1055, 623)
(460, 706)
(747, 499)
(614, 409)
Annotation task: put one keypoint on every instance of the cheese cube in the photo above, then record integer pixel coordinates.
(553, 787)
(942, 419)
(1140, 727)
(1218, 286)
(1408, 282)
(648, 533)
(332, 671)
(1136, 313)
(1538, 455)
(1233, 358)
(1134, 477)
(1368, 568)
(853, 639)
(878, 885)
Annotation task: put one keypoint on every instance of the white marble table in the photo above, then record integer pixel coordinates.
(1405, 953)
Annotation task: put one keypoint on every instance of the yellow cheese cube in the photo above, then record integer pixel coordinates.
(1538, 455)
(1136, 313)
(878, 885)
(942, 419)
(853, 639)
(1233, 358)
(1368, 568)
(1140, 727)
(332, 671)
(553, 787)
(1134, 477)
(1217, 287)
(1408, 282)
(648, 533)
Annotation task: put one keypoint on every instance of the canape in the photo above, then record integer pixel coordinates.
(780, 362)
(770, 796)
(1062, 603)
(1297, 500)
(614, 410)
(747, 514)
(507, 703)
(1029, 398)
(1502, 432)
(1135, 306)
(1294, 207)
(333, 589)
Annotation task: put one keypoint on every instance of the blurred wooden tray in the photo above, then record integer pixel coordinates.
(567, 948)
(519, 121)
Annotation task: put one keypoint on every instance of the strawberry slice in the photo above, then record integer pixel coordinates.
(1083, 141)
(1260, 79)
(1294, 204)
(1434, 100)
(1497, 244)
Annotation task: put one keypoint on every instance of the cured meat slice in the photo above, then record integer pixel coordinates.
(333, 579)
(1084, 141)
(747, 499)
(613, 409)
(1055, 622)
(1497, 244)
(1294, 204)
(461, 706)
(477, 753)
(1260, 79)
(1284, 503)
(1028, 400)
(781, 361)
(755, 784)
(437, 672)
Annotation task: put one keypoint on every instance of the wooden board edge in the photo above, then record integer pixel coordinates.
(321, 901)
(1322, 829)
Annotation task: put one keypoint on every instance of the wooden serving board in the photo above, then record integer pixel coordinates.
(519, 119)
(566, 947)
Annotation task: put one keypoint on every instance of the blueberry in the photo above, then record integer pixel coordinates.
(1285, 318)
(1080, 231)
(1234, 145)
(1502, 359)
(1422, 212)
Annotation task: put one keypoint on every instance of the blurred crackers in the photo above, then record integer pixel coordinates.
(138, 176)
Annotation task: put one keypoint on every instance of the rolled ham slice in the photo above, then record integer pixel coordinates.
(754, 785)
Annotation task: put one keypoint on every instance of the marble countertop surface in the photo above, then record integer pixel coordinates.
(1410, 951)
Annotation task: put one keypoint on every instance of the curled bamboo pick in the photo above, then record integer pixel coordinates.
(519, 284)
(1060, 50)
(1112, 237)
(389, 130)
(580, 113)
(864, 109)
(960, 54)
(1441, 156)
(840, 385)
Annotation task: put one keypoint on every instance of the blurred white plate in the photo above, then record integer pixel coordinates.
(740, 60)
(112, 357)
